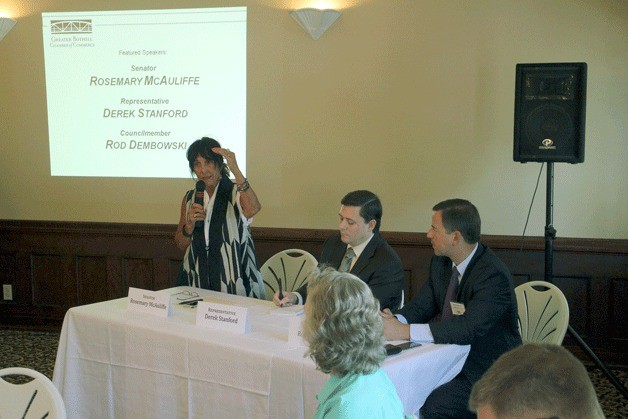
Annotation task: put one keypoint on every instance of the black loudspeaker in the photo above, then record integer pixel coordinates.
(550, 112)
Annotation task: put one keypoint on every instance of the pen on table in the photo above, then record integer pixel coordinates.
(280, 294)
(191, 302)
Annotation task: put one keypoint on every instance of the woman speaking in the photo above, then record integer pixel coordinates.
(214, 225)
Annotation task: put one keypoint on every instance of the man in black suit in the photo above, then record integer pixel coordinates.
(359, 248)
(481, 310)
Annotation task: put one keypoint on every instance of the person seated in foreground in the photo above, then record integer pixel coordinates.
(535, 381)
(344, 331)
(359, 248)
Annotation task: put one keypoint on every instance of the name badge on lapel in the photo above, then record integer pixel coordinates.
(457, 309)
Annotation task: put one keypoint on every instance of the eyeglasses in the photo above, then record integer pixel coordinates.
(186, 295)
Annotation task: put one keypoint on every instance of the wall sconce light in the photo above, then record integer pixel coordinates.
(315, 21)
(6, 25)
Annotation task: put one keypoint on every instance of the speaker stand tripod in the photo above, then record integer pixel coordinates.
(550, 235)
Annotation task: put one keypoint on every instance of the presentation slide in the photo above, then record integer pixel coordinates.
(129, 91)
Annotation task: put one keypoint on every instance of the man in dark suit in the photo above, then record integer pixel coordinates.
(359, 248)
(481, 309)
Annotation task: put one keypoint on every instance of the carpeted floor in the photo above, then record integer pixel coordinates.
(37, 350)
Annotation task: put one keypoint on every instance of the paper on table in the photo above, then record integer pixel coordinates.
(218, 301)
(288, 311)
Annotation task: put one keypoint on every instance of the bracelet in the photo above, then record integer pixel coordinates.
(243, 186)
(185, 234)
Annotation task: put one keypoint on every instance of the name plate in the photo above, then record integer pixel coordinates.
(295, 330)
(156, 303)
(222, 316)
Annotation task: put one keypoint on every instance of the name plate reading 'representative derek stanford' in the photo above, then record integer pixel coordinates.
(156, 303)
(222, 316)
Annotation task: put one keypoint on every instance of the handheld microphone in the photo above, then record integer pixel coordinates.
(199, 196)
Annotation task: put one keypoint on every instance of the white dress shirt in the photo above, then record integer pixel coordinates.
(421, 331)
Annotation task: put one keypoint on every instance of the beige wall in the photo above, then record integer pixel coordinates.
(411, 99)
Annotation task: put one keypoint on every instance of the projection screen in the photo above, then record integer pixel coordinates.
(128, 91)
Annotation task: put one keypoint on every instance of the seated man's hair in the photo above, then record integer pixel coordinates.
(369, 203)
(536, 380)
(463, 216)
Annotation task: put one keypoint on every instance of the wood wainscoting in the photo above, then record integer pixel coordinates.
(53, 266)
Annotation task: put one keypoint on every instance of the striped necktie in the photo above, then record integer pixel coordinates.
(345, 265)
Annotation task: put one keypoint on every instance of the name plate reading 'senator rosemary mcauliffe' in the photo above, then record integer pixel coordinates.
(156, 303)
(227, 317)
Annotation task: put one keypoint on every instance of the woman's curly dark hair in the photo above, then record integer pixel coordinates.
(203, 148)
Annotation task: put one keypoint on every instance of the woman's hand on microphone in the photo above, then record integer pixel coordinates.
(196, 213)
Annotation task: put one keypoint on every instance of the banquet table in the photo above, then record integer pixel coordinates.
(114, 362)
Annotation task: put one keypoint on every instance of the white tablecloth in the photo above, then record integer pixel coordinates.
(117, 363)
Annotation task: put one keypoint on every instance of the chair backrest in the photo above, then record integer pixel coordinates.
(543, 312)
(289, 268)
(36, 398)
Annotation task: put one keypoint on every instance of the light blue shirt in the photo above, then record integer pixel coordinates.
(359, 396)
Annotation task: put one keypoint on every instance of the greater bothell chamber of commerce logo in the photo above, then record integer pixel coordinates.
(70, 26)
(71, 33)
